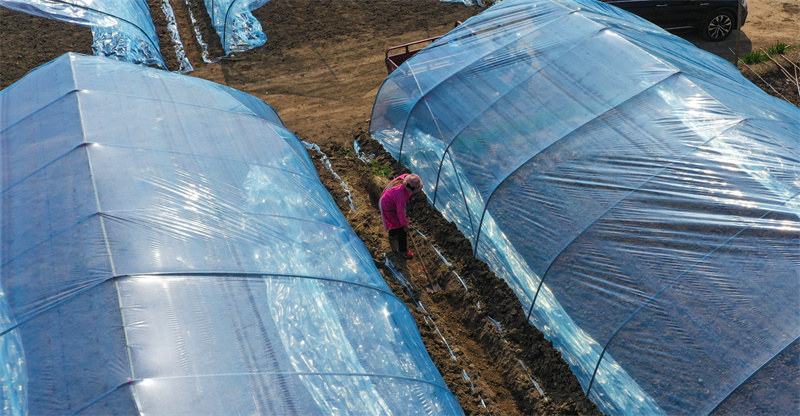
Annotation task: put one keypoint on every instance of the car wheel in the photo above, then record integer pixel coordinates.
(717, 26)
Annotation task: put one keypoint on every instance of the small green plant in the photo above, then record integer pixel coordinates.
(378, 169)
(344, 152)
(755, 57)
(777, 49)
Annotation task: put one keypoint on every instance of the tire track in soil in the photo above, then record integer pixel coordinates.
(489, 357)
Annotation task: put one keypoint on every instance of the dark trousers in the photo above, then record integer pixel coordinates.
(400, 235)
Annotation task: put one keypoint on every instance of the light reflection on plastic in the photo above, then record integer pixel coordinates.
(786, 225)
(193, 194)
(150, 279)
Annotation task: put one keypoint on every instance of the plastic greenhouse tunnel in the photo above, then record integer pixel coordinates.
(169, 249)
(121, 29)
(639, 196)
(125, 30)
(236, 26)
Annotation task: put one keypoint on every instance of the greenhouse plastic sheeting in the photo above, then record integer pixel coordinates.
(168, 249)
(123, 30)
(466, 2)
(639, 196)
(235, 24)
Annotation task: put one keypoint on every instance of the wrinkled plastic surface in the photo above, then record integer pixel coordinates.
(121, 30)
(168, 249)
(235, 24)
(467, 2)
(638, 192)
(184, 66)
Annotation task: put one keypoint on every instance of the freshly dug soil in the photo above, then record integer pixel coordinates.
(321, 69)
(27, 42)
(483, 324)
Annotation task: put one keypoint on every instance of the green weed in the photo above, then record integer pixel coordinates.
(378, 169)
(754, 57)
(345, 152)
(777, 49)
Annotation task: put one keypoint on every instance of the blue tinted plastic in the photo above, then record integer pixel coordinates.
(169, 249)
(639, 195)
(235, 24)
(122, 30)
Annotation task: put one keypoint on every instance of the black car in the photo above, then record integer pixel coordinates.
(713, 18)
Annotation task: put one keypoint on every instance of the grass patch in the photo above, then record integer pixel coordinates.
(756, 57)
(777, 49)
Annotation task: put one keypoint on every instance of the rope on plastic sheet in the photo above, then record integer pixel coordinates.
(667, 286)
(53, 306)
(466, 205)
(266, 373)
(225, 23)
(441, 81)
(209, 156)
(601, 216)
(261, 276)
(109, 15)
(433, 117)
(103, 396)
(477, 58)
(477, 115)
(492, 193)
(467, 124)
(789, 345)
(110, 254)
(45, 166)
(251, 275)
(168, 152)
(57, 99)
(247, 114)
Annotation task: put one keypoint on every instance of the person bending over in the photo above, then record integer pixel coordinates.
(393, 209)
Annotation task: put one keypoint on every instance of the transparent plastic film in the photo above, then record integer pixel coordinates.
(121, 30)
(13, 372)
(629, 187)
(184, 253)
(236, 26)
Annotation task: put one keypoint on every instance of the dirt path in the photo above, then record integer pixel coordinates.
(473, 327)
(323, 62)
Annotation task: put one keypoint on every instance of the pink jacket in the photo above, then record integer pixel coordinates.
(393, 205)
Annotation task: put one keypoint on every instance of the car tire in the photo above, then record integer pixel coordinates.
(718, 25)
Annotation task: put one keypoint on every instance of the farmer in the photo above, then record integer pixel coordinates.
(393, 209)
